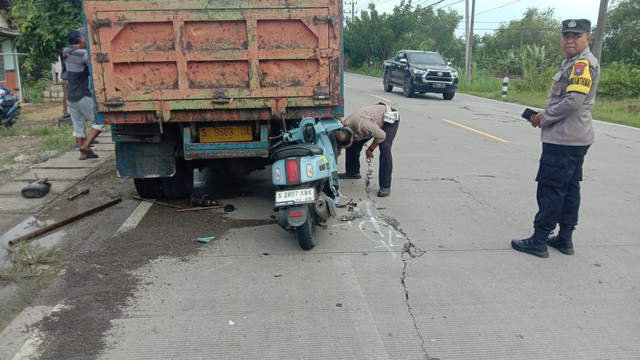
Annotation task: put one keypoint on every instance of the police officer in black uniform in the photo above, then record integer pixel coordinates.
(566, 134)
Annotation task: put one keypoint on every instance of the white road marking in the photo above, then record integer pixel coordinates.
(134, 219)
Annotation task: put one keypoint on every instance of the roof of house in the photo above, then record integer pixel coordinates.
(5, 29)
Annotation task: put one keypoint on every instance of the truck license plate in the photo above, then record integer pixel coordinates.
(438, 85)
(226, 133)
(295, 196)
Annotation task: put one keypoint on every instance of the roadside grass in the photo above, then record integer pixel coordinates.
(28, 260)
(32, 267)
(47, 141)
(483, 84)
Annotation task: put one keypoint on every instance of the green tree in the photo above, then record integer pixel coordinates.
(373, 37)
(537, 28)
(44, 25)
(622, 39)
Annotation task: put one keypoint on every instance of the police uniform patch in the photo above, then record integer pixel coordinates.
(580, 78)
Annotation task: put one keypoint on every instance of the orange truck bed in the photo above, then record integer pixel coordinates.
(200, 67)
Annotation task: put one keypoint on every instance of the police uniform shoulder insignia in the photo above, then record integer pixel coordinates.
(580, 78)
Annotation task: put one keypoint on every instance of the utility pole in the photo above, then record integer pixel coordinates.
(467, 60)
(469, 38)
(599, 38)
(353, 11)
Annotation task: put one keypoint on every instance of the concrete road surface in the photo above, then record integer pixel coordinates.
(427, 273)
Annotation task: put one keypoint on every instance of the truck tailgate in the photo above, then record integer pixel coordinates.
(249, 59)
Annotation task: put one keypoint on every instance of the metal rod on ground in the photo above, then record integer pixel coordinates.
(48, 228)
(202, 208)
(157, 202)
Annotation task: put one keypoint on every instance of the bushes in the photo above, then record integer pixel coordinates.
(619, 81)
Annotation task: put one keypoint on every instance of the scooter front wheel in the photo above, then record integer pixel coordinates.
(306, 232)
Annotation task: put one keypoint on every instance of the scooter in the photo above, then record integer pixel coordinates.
(10, 107)
(305, 172)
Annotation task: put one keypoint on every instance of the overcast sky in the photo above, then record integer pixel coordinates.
(491, 13)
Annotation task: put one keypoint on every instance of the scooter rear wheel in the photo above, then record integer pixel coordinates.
(306, 232)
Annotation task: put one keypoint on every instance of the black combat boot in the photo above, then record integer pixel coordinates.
(562, 241)
(534, 245)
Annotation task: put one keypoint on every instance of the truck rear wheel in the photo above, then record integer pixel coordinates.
(148, 188)
(448, 95)
(386, 82)
(177, 186)
(407, 89)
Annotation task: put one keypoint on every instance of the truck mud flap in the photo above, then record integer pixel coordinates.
(145, 160)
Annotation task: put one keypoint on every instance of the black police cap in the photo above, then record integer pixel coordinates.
(576, 26)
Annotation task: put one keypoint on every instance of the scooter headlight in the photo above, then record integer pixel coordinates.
(308, 133)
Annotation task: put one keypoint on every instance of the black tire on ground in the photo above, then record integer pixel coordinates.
(179, 185)
(448, 95)
(386, 82)
(407, 89)
(148, 188)
(306, 232)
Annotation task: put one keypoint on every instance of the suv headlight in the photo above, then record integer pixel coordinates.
(419, 72)
(454, 73)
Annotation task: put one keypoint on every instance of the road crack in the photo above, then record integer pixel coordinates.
(409, 252)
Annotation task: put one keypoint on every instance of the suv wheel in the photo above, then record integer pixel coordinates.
(386, 82)
(448, 95)
(407, 89)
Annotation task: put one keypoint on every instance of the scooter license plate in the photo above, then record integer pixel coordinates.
(295, 196)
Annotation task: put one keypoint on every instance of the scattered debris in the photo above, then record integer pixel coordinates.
(199, 198)
(229, 208)
(157, 202)
(81, 192)
(206, 239)
(201, 208)
(348, 217)
(37, 189)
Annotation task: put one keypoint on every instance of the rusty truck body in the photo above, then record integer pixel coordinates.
(189, 84)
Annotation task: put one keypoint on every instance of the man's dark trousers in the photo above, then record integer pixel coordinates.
(558, 178)
(352, 164)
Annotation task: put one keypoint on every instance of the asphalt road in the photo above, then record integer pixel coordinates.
(425, 273)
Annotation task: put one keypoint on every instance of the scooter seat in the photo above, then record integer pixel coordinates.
(296, 150)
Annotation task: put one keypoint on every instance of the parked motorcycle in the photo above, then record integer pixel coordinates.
(10, 107)
(305, 172)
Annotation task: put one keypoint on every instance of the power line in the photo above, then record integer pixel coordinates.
(501, 6)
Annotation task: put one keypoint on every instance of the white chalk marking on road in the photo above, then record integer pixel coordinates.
(134, 219)
(377, 228)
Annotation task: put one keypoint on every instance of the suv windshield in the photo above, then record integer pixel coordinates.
(427, 58)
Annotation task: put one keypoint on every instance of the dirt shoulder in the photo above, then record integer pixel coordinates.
(11, 147)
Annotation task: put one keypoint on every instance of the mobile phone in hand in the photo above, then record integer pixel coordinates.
(528, 114)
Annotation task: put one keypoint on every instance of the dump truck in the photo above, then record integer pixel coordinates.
(194, 84)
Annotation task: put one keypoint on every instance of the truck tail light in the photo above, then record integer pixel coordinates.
(293, 175)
